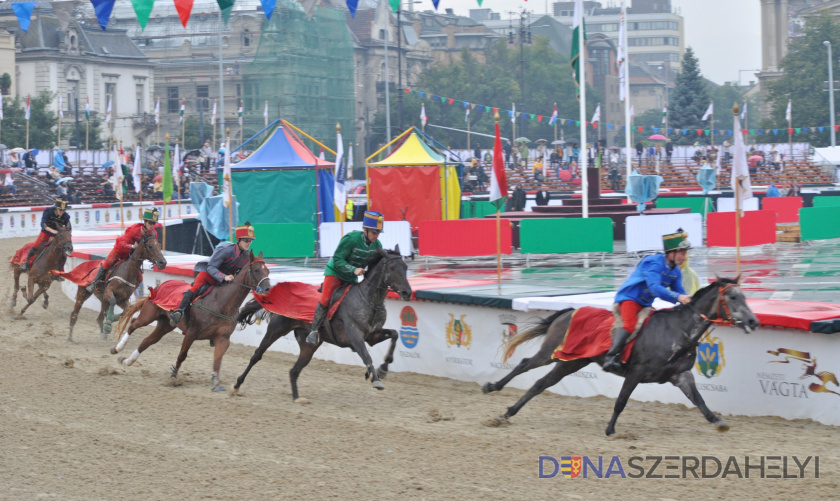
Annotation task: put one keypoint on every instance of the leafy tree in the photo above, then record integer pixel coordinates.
(42, 122)
(94, 132)
(5, 83)
(690, 99)
(805, 68)
(494, 82)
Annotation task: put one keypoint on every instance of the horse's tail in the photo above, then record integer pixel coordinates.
(125, 318)
(537, 330)
(247, 314)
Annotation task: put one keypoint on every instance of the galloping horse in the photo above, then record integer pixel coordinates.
(211, 317)
(50, 257)
(358, 320)
(123, 281)
(665, 349)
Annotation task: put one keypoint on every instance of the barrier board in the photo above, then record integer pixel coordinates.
(644, 233)
(566, 235)
(786, 208)
(465, 237)
(395, 232)
(757, 228)
(728, 204)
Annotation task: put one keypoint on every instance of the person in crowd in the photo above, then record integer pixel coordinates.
(657, 275)
(9, 185)
(157, 190)
(651, 153)
(61, 190)
(506, 147)
(727, 156)
(29, 163)
(127, 243)
(73, 195)
(347, 265)
(53, 176)
(669, 150)
(537, 170)
(711, 156)
(658, 151)
(106, 186)
(206, 155)
(517, 200)
(640, 150)
(524, 154)
(58, 161)
(775, 159)
(575, 153)
(543, 196)
(477, 151)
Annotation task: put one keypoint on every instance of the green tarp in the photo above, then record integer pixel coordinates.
(819, 223)
(284, 240)
(276, 196)
(562, 235)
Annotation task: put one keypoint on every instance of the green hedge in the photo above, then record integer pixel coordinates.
(564, 236)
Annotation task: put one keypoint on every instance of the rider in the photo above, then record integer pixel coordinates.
(51, 220)
(127, 243)
(657, 275)
(347, 264)
(223, 265)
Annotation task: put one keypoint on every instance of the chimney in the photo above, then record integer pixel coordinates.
(450, 12)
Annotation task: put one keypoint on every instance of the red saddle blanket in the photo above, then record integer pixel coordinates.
(296, 300)
(21, 253)
(84, 274)
(168, 295)
(589, 335)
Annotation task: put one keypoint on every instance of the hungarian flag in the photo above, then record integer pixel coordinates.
(136, 172)
(87, 108)
(467, 114)
(665, 114)
(177, 173)
(181, 115)
(498, 181)
(28, 107)
(787, 111)
(423, 114)
(240, 113)
(213, 116)
(577, 25)
(157, 111)
(227, 186)
(553, 116)
(167, 174)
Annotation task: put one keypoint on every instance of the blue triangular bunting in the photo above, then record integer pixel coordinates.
(268, 7)
(23, 11)
(103, 10)
(351, 6)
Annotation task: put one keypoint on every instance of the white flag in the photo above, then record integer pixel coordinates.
(744, 111)
(240, 113)
(423, 113)
(213, 116)
(1, 107)
(183, 109)
(60, 106)
(157, 111)
(108, 111)
(117, 178)
(513, 114)
(226, 177)
(787, 112)
(632, 111)
(265, 113)
(467, 114)
(596, 117)
(740, 170)
(136, 172)
(339, 189)
(176, 174)
(665, 114)
(710, 111)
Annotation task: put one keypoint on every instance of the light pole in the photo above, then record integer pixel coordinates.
(400, 90)
(831, 93)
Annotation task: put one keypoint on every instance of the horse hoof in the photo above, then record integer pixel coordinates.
(381, 373)
(497, 422)
(114, 351)
(610, 431)
(13, 303)
(379, 385)
(721, 426)
(301, 400)
(120, 360)
(234, 391)
(46, 305)
(219, 388)
(487, 388)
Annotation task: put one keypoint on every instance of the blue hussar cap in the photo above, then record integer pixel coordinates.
(373, 221)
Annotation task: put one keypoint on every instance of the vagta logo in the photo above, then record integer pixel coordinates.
(710, 359)
(458, 333)
(23, 220)
(809, 364)
(509, 328)
(128, 215)
(580, 466)
(107, 216)
(96, 216)
(76, 216)
(409, 335)
(34, 219)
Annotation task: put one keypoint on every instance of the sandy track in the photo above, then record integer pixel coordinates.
(76, 425)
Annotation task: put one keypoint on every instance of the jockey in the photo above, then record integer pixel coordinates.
(347, 264)
(51, 220)
(126, 243)
(657, 275)
(223, 265)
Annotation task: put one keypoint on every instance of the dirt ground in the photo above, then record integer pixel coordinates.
(75, 425)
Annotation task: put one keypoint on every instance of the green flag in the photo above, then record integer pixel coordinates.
(577, 24)
(395, 4)
(143, 8)
(225, 6)
(167, 175)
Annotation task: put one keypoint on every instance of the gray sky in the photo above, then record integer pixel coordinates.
(725, 34)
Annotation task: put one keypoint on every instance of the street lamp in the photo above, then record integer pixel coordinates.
(831, 93)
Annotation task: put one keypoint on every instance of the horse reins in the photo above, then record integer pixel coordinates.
(721, 321)
(256, 288)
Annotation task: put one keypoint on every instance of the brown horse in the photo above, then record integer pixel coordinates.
(50, 257)
(120, 285)
(211, 317)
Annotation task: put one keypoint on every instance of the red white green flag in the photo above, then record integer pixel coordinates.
(498, 181)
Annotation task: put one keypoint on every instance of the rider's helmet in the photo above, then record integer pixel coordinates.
(150, 215)
(676, 241)
(374, 221)
(60, 203)
(245, 231)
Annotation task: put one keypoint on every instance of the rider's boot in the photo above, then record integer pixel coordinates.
(100, 276)
(25, 265)
(178, 314)
(320, 314)
(612, 362)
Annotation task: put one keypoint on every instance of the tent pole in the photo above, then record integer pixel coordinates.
(389, 144)
(319, 143)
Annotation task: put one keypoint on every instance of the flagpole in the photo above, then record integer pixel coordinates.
(555, 126)
(87, 137)
(183, 121)
(337, 146)
(164, 199)
(713, 126)
(60, 113)
(157, 100)
(141, 176)
(513, 147)
(737, 190)
(213, 145)
(230, 184)
(584, 157)
(178, 173)
(599, 126)
(120, 180)
(468, 134)
(789, 156)
(499, 221)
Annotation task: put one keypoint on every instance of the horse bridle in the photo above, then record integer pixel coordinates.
(256, 288)
(384, 285)
(725, 320)
(143, 241)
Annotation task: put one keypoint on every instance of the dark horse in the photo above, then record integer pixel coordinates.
(123, 281)
(50, 257)
(359, 320)
(211, 317)
(665, 349)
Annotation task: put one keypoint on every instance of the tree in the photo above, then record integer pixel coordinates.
(492, 83)
(689, 100)
(5, 83)
(94, 132)
(805, 68)
(42, 122)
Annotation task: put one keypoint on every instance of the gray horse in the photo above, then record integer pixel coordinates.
(664, 352)
(359, 320)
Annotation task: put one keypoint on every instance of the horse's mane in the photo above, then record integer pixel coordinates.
(376, 258)
(700, 293)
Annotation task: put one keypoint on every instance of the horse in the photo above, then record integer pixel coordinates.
(358, 320)
(123, 281)
(50, 257)
(211, 317)
(665, 349)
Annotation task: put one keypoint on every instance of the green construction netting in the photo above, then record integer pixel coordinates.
(304, 69)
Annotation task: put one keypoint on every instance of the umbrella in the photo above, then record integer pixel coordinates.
(196, 153)
(35, 151)
(3, 147)
(64, 179)
(157, 178)
(756, 158)
(107, 164)
(657, 137)
(543, 141)
(154, 147)
(522, 140)
(10, 171)
(559, 141)
(17, 150)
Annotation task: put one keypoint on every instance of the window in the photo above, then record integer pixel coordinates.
(647, 41)
(246, 39)
(139, 96)
(172, 104)
(252, 92)
(382, 34)
(654, 25)
(202, 92)
(111, 92)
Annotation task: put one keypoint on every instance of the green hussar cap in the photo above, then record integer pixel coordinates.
(150, 215)
(676, 241)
